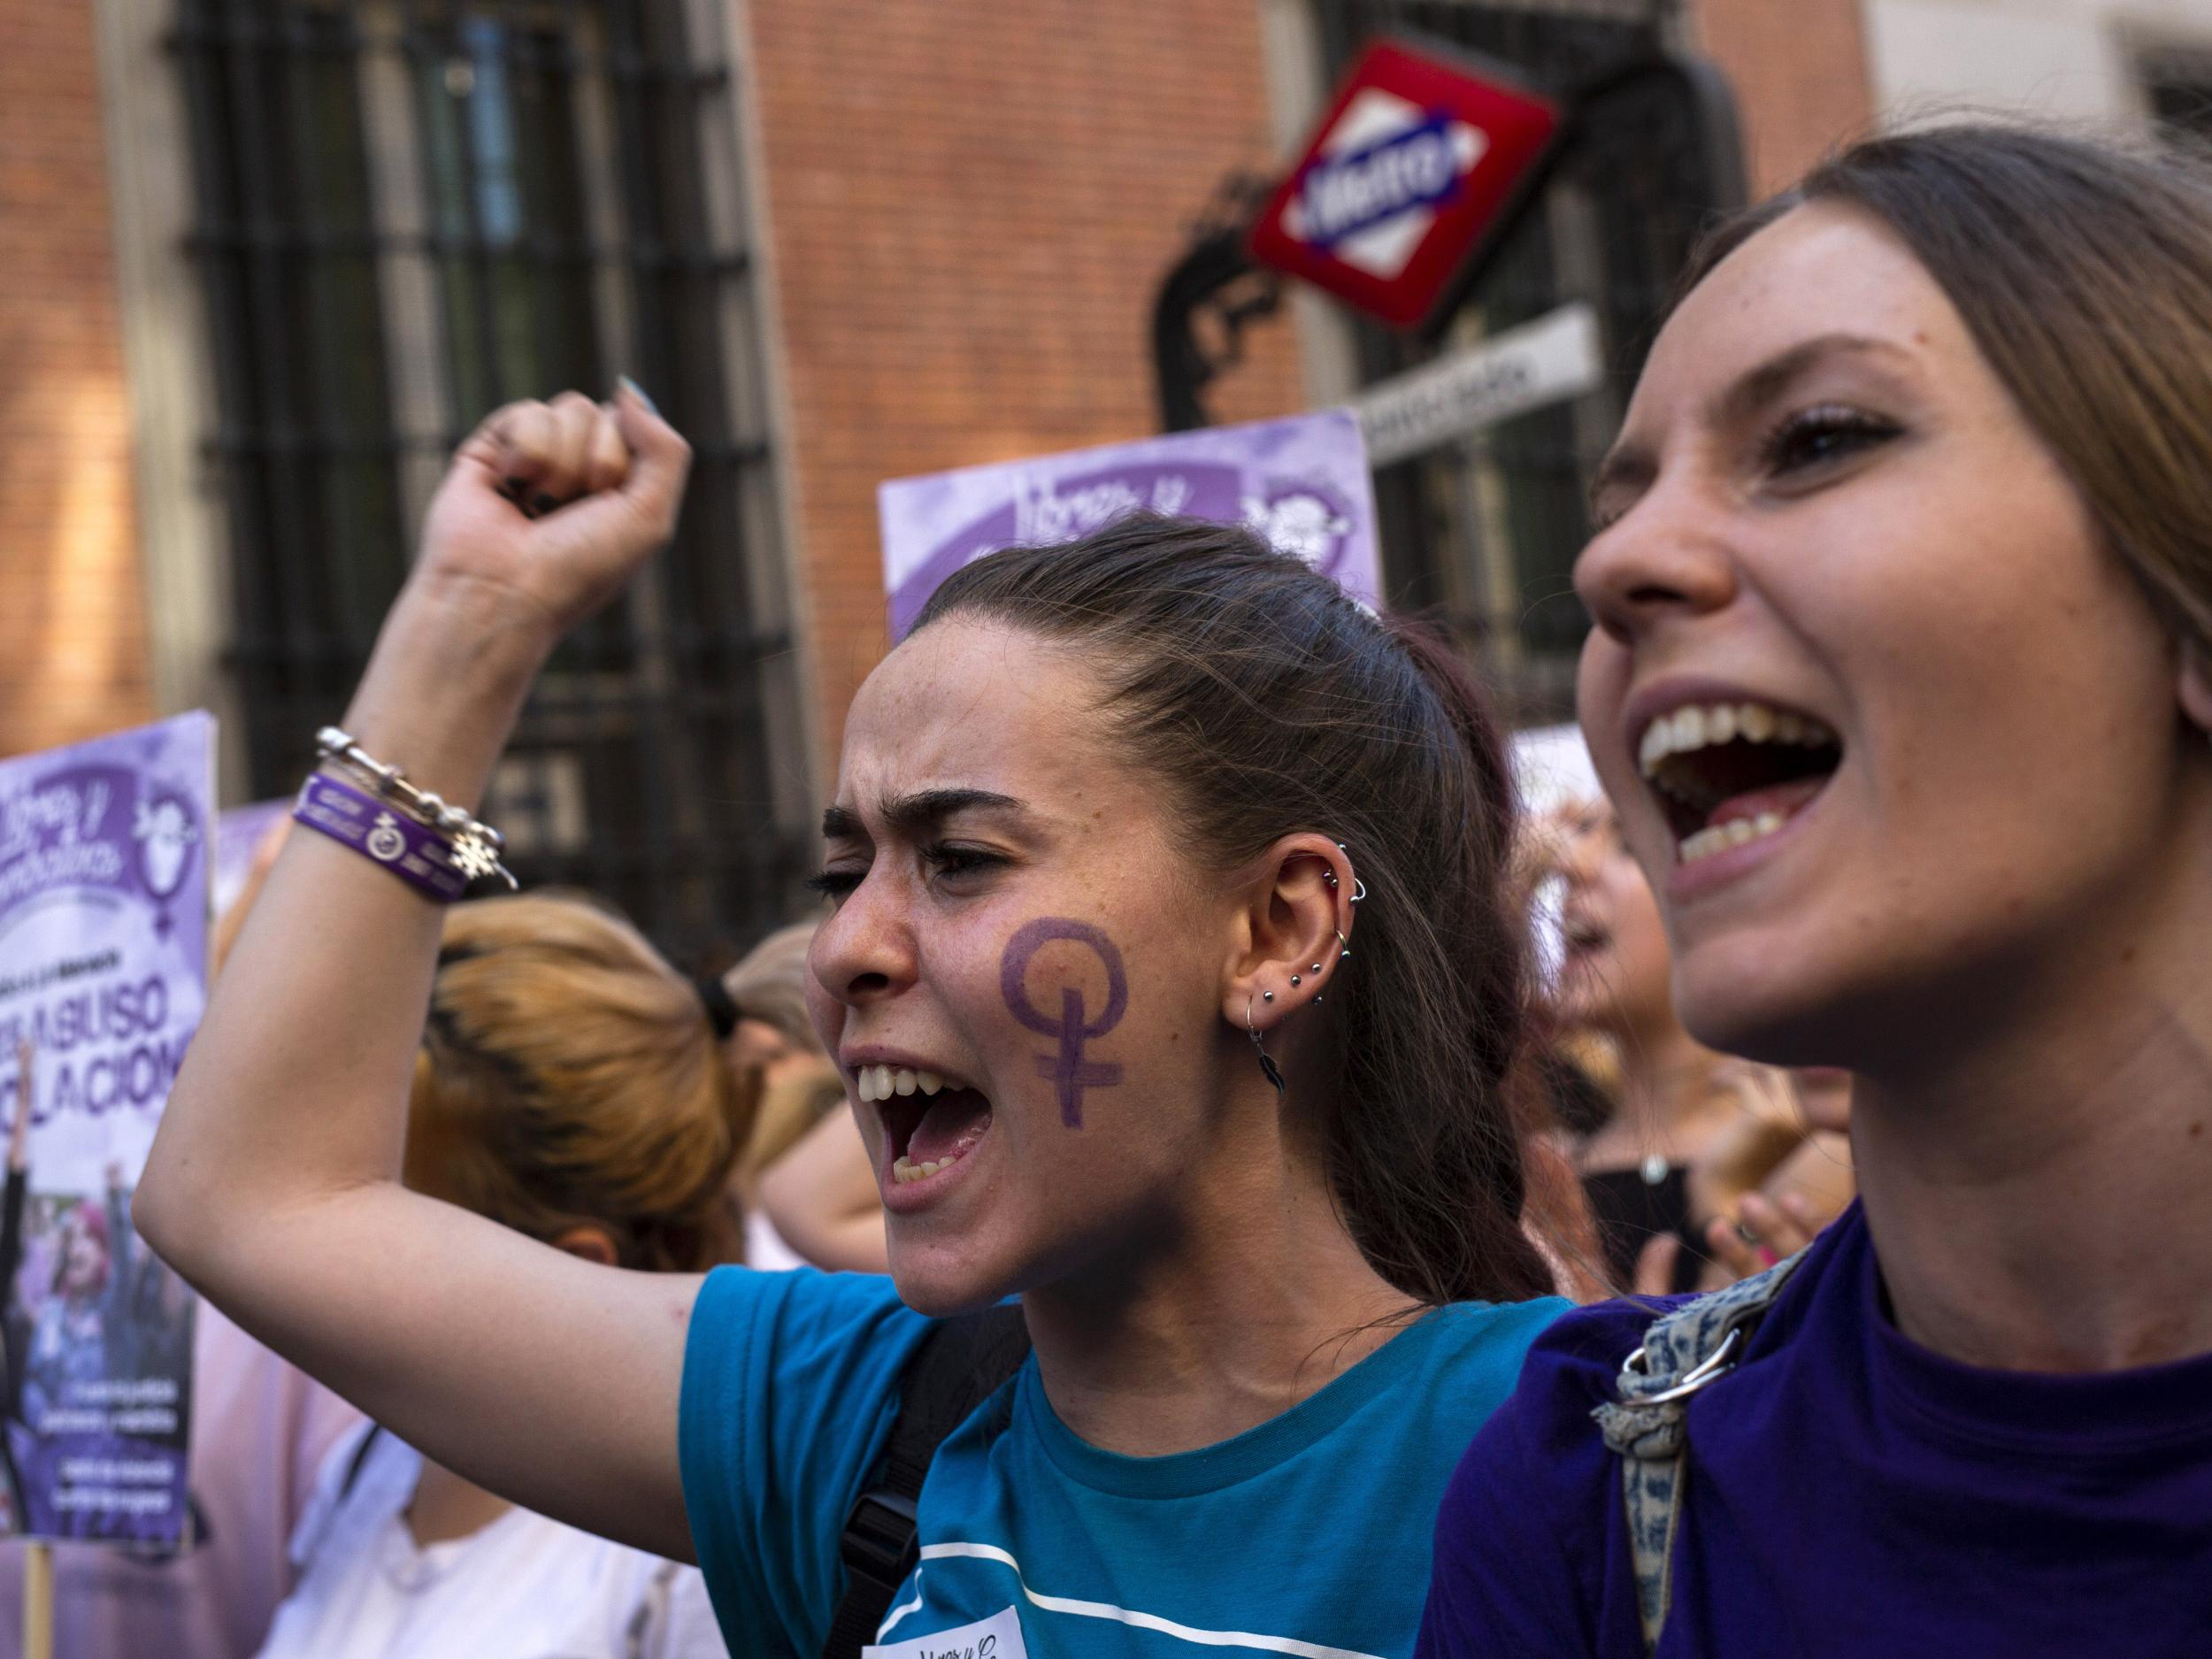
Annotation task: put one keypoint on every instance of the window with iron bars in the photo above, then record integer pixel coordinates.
(2176, 83)
(408, 212)
(1485, 531)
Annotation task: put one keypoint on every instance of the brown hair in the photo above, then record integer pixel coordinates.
(2083, 268)
(568, 1077)
(1268, 702)
(769, 984)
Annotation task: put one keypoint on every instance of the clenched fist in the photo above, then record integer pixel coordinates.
(549, 508)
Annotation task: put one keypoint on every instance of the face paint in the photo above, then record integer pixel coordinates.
(1068, 1072)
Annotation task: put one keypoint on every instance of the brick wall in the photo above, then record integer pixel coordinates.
(1800, 71)
(970, 204)
(73, 625)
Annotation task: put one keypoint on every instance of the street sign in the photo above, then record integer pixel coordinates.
(1418, 158)
(1547, 361)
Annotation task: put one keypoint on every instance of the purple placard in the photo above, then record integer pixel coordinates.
(1303, 483)
(104, 865)
(239, 833)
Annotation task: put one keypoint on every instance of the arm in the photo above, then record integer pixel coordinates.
(274, 1182)
(821, 1194)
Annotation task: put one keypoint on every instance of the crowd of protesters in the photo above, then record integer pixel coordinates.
(1173, 1155)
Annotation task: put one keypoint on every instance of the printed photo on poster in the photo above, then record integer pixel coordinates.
(105, 856)
(1302, 484)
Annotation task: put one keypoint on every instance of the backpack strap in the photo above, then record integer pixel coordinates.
(959, 1364)
(359, 1462)
(1684, 1350)
(646, 1632)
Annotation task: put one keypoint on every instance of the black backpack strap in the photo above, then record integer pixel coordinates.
(960, 1363)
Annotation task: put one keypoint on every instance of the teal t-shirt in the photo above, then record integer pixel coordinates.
(1308, 1535)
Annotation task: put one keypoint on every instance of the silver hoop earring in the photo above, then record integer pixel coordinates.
(1267, 1064)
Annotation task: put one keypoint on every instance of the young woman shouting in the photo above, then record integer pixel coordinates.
(1173, 977)
(1921, 462)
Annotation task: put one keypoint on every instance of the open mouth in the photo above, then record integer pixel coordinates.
(930, 1122)
(1728, 774)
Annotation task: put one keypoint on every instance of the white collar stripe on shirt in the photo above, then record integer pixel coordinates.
(1124, 1615)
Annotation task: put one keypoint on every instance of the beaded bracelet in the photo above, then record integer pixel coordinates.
(474, 848)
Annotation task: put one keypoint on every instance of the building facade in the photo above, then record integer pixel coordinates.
(263, 261)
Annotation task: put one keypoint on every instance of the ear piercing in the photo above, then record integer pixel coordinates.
(1343, 954)
(1267, 1061)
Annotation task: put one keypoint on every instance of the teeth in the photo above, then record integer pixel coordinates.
(1721, 837)
(905, 1169)
(1701, 727)
(881, 1082)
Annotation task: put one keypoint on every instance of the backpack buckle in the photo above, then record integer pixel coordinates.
(882, 1541)
(1712, 1368)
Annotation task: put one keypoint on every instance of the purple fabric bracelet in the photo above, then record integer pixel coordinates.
(382, 833)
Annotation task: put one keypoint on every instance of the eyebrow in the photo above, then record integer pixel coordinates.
(909, 815)
(1628, 466)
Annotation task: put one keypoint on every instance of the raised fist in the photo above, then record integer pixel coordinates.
(553, 506)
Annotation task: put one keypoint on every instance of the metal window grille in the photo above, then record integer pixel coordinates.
(1484, 531)
(2176, 86)
(408, 212)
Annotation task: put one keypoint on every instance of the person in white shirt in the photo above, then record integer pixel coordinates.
(569, 1086)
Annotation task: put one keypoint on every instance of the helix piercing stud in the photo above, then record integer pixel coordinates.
(1267, 996)
(1296, 981)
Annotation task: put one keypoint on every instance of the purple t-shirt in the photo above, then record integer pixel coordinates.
(1849, 1493)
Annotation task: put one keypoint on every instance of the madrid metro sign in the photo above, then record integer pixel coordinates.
(1420, 159)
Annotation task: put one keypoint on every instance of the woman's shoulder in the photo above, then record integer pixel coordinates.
(798, 1318)
(1573, 1363)
(1470, 1353)
(1470, 1329)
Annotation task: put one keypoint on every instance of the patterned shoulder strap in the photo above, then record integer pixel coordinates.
(1648, 1425)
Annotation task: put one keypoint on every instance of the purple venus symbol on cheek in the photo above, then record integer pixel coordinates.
(1068, 1072)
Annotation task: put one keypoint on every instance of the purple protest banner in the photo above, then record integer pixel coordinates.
(1302, 483)
(104, 865)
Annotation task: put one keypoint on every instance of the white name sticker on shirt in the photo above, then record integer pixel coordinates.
(997, 1637)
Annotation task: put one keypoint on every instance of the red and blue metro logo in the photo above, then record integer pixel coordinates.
(1418, 156)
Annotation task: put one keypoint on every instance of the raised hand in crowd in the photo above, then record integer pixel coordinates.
(294, 1218)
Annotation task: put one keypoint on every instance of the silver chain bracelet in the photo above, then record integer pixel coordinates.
(478, 849)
